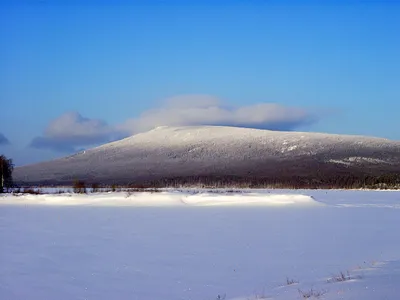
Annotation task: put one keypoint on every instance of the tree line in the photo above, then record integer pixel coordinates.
(330, 180)
(6, 169)
(334, 181)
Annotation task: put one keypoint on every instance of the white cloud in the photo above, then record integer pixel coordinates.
(208, 110)
(71, 131)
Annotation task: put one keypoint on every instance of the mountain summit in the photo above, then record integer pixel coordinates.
(167, 153)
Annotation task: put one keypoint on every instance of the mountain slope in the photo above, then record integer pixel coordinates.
(171, 152)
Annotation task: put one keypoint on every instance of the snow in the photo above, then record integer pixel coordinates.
(163, 198)
(198, 244)
(337, 161)
(357, 159)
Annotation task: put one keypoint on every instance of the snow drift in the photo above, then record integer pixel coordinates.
(160, 199)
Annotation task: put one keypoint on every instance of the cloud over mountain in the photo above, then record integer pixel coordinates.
(208, 110)
(71, 131)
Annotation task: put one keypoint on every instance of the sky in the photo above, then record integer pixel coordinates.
(76, 74)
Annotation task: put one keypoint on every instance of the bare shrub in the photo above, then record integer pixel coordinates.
(153, 190)
(341, 277)
(17, 191)
(95, 187)
(129, 193)
(32, 191)
(79, 187)
(260, 296)
(311, 293)
(136, 190)
(291, 281)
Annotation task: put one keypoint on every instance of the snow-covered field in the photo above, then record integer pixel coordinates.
(199, 246)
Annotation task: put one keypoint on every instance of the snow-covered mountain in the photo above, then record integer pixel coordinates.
(207, 151)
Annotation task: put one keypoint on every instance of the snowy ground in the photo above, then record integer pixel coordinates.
(188, 245)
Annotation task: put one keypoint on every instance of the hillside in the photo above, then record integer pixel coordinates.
(172, 153)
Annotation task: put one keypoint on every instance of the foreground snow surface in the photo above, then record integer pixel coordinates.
(201, 245)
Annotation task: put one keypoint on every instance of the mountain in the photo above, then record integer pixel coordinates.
(166, 153)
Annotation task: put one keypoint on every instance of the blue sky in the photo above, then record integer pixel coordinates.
(74, 74)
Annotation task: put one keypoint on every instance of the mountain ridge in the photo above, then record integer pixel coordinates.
(218, 151)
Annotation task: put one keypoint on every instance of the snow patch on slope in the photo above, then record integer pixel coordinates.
(357, 159)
